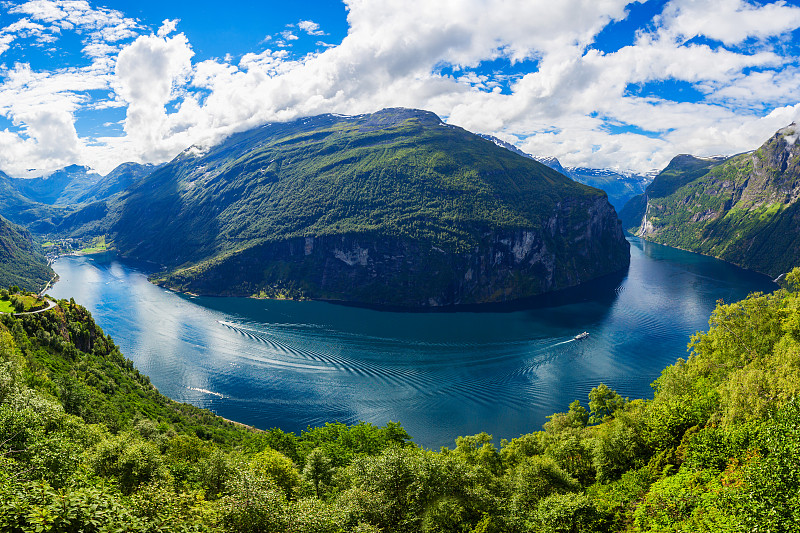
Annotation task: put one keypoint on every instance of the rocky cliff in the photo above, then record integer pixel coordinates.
(505, 265)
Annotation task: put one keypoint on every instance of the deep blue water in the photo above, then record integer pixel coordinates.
(292, 364)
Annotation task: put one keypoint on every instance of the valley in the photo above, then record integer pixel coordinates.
(202, 270)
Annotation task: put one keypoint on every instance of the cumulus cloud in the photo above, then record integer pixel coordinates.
(167, 26)
(728, 21)
(24, 28)
(149, 74)
(69, 14)
(310, 27)
(5, 42)
(556, 94)
(43, 104)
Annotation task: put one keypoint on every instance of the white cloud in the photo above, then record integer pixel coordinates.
(69, 14)
(310, 27)
(149, 73)
(577, 103)
(5, 42)
(167, 26)
(728, 21)
(24, 28)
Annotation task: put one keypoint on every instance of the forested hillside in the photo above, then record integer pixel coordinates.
(87, 444)
(22, 260)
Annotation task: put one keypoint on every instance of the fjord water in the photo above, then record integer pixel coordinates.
(501, 369)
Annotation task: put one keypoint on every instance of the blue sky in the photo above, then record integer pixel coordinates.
(602, 83)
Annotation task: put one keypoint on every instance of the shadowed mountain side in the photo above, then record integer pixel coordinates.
(72, 200)
(22, 262)
(20, 209)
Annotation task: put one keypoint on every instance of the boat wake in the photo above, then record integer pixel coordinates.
(206, 391)
(563, 342)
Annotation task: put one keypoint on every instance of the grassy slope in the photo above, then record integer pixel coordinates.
(683, 169)
(69, 357)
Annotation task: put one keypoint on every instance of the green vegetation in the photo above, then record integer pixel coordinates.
(87, 444)
(23, 302)
(98, 245)
(46, 205)
(370, 200)
(22, 262)
(742, 209)
(22, 210)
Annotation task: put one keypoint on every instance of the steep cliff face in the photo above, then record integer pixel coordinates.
(743, 209)
(505, 265)
(683, 169)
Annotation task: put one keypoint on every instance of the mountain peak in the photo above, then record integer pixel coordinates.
(741, 208)
(789, 134)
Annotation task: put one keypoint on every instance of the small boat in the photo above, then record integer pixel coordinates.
(580, 336)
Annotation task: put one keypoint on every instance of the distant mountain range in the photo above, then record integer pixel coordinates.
(63, 187)
(620, 186)
(394, 208)
(743, 209)
(43, 204)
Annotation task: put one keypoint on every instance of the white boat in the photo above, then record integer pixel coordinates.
(580, 336)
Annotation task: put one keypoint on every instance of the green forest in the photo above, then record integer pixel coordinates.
(88, 444)
(22, 261)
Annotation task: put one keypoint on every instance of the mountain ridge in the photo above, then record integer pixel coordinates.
(22, 261)
(48, 204)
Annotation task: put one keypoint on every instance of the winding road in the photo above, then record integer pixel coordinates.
(50, 304)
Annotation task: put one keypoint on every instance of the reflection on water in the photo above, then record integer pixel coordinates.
(499, 369)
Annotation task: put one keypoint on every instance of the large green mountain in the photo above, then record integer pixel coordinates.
(22, 262)
(394, 207)
(743, 209)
